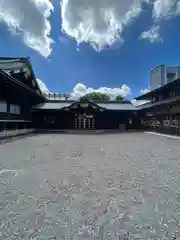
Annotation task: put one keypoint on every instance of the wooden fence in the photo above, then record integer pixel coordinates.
(169, 124)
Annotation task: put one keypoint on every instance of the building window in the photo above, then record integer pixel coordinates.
(171, 77)
(155, 99)
(3, 107)
(149, 114)
(172, 94)
(175, 109)
(15, 109)
(160, 97)
(33, 83)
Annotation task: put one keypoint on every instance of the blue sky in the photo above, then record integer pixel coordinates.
(126, 61)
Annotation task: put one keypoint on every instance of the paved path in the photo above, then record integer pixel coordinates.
(114, 186)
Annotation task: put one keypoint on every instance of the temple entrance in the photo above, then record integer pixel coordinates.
(84, 121)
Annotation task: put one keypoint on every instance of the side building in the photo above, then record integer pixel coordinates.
(19, 91)
(162, 112)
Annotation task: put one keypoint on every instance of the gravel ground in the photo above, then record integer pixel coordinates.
(82, 187)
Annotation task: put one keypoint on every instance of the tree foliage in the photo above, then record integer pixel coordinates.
(94, 96)
(119, 98)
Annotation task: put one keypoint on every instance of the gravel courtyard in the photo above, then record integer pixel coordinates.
(82, 187)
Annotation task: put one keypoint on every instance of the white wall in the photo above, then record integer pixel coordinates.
(3, 107)
(15, 109)
(157, 77)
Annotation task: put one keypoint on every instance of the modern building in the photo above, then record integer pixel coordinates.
(162, 75)
(23, 105)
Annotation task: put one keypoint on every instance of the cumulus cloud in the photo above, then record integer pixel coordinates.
(178, 8)
(144, 91)
(29, 18)
(81, 89)
(162, 10)
(101, 22)
(44, 89)
(141, 102)
(152, 34)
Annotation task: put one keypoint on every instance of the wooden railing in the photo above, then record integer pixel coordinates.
(11, 129)
(14, 133)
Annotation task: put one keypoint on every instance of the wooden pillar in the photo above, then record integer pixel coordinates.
(4, 126)
(4, 129)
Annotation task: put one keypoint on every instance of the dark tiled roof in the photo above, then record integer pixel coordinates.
(117, 106)
(53, 105)
(110, 105)
(9, 80)
(10, 64)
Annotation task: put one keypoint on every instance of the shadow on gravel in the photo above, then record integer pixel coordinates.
(7, 139)
(87, 132)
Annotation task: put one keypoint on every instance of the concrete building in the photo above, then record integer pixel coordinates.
(162, 75)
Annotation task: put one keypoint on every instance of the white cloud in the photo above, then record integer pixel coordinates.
(100, 22)
(80, 90)
(141, 102)
(164, 9)
(144, 91)
(42, 86)
(30, 19)
(178, 8)
(152, 34)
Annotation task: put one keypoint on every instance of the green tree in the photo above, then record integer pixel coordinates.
(119, 98)
(94, 96)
